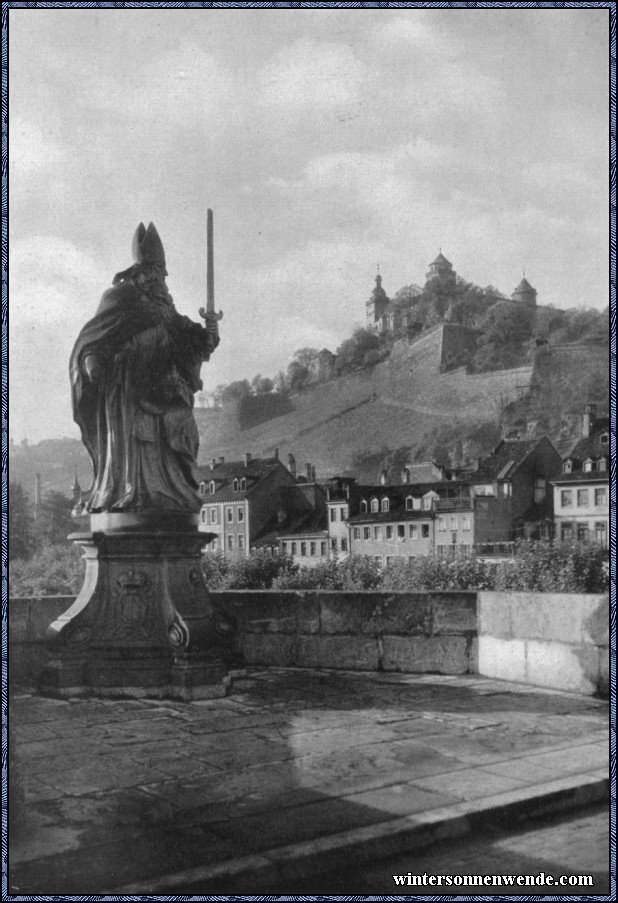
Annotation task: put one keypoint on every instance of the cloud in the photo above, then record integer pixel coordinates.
(31, 150)
(406, 32)
(311, 75)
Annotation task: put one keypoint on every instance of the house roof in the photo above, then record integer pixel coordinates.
(254, 471)
(504, 461)
(591, 476)
(591, 446)
(395, 514)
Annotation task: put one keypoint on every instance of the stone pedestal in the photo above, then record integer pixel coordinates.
(143, 624)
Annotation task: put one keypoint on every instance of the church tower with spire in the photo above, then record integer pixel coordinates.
(376, 305)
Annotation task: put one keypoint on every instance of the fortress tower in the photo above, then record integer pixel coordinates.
(524, 293)
(442, 269)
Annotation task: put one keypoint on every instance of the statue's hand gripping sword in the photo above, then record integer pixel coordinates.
(209, 315)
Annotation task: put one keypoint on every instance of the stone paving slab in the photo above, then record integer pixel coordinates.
(296, 767)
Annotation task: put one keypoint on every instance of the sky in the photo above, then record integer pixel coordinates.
(325, 141)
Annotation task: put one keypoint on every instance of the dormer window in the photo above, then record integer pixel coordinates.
(604, 438)
(588, 465)
(409, 503)
(567, 467)
(235, 484)
(212, 487)
(385, 504)
(375, 506)
(363, 506)
(602, 464)
(202, 488)
(243, 484)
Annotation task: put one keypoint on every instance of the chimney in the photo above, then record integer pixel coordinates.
(347, 491)
(384, 477)
(313, 474)
(276, 455)
(590, 416)
(247, 459)
(213, 463)
(221, 460)
(308, 471)
(292, 465)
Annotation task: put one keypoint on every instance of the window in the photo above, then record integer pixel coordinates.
(243, 484)
(389, 559)
(363, 506)
(582, 532)
(230, 542)
(389, 532)
(333, 545)
(333, 515)
(293, 548)
(212, 487)
(375, 506)
(235, 484)
(230, 515)
(202, 488)
(600, 533)
(303, 549)
(284, 547)
(413, 531)
(343, 513)
(567, 467)
(385, 504)
(203, 515)
(441, 524)
(344, 544)
(604, 438)
(377, 532)
(366, 533)
(215, 544)
(539, 489)
(356, 533)
(313, 549)
(323, 549)
(426, 506)
(240, 514)
(401, 531)
(582, 497)
(454, 522)
(602, 464)
(566, 498)
(409, 503)
(213, 516)
(566, 532)
(600, 498)
(425, 531)
(588, 465)
(466, 522)
(241, 541)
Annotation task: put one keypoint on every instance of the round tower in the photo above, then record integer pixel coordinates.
(525, 294)
(441, 268)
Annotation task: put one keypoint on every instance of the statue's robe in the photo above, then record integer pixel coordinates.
(138, 425)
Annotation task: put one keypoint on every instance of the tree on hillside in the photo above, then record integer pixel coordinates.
(298, 376)
(20, 523)
(262, 385)
(236, 390)
(306, 357)
(352, 352)
(54, 522)
(506, 326)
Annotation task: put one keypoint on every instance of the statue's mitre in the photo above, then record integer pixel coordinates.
(147, 246)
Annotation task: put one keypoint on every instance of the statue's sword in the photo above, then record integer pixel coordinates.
(209, 315)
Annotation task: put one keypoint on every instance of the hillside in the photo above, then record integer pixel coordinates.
(403, 402)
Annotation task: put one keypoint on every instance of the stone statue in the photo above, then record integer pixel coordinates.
(134, 370)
